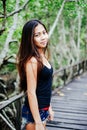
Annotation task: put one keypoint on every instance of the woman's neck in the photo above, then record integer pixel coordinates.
(41, 52)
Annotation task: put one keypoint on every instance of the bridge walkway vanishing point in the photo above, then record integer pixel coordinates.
(70, 106)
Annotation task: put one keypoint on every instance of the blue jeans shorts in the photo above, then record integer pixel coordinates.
(28, 118)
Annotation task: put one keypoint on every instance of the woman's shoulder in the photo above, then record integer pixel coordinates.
(32, 60)
(31, 63)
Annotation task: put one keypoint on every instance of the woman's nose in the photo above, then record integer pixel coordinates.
(42, 36)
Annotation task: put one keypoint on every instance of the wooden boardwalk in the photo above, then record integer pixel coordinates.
(70, 106)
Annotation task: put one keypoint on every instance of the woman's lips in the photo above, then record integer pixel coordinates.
(44, 42)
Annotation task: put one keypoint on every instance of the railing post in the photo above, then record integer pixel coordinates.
(79, 69)
(64, 76)
(72, 72)
(18, 116)
(83, 65)
(86, 64)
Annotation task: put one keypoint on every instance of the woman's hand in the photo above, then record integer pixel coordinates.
(51, 114)
(39, 126)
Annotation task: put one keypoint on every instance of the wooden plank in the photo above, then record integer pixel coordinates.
(69, 110)
(73, 105)
(70, 106)
(62, 107)
(69, 126)
(71, 121)
(71, 115)
(74, 97)
(53, 128)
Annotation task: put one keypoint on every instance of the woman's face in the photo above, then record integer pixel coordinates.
(40, 36)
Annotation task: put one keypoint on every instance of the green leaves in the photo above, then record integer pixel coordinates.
(46, 11)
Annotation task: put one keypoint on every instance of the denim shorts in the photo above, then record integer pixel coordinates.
(28, 118)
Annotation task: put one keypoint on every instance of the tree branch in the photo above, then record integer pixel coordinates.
(18, 10)
(9, 36)
(56, 20)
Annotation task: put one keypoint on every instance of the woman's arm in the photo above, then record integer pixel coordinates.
(31, 74)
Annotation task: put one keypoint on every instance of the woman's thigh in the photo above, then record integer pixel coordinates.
(30, 126)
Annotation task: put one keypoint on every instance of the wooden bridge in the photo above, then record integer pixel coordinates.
(70, 106)
(69, 102)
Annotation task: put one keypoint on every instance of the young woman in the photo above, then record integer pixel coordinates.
(35, 76)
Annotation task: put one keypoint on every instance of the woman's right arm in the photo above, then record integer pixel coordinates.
(31, 74)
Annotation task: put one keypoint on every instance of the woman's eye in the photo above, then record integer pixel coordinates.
(36, 35)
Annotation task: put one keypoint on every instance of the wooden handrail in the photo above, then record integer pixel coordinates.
(7, 102)
(75, 70)
(70, 66)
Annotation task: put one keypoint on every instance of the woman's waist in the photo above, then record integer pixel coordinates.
(45, 108)
(26, 108)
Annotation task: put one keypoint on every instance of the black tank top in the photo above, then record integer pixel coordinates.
(44, 88)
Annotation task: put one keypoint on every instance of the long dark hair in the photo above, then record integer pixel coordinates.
(27, 49)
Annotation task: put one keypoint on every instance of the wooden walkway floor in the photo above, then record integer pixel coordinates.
(70, 106)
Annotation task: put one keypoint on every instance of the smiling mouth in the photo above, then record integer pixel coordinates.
(44, 42)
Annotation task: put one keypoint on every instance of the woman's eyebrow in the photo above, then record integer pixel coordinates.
(37, 32)
(40, 31)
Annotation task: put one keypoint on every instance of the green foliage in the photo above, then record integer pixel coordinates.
(1, 6)
(9, 68)
(2, 40)
(13, 48)
(10, 5)
(82, 3)
(46, 11)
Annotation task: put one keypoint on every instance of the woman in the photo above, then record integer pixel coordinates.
(35, 76)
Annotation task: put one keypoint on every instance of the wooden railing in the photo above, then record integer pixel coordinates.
(16, 102)
(67, 74)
